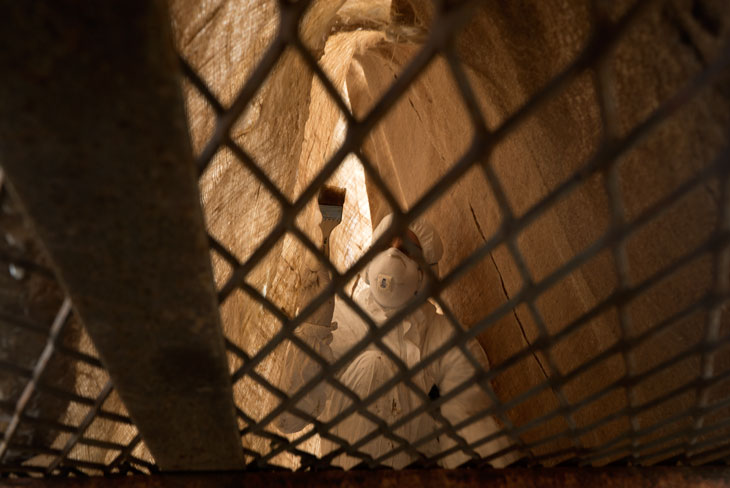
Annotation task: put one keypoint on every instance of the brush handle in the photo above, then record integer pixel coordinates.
(327, 225)
(326, 247)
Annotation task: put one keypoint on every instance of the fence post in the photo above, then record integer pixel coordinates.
(94, 143)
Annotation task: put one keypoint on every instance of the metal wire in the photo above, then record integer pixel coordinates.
(687, 444)
(40, 367)
(608, 153)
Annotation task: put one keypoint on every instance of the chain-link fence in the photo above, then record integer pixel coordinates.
(693, 435)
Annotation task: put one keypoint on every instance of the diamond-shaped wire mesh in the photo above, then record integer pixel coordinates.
(641, 429)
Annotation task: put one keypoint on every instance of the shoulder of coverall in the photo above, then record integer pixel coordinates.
(440, 327)
(429, 238)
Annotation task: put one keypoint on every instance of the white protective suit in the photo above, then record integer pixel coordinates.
(416, 337)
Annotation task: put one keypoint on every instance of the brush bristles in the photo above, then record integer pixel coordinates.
(332, 195)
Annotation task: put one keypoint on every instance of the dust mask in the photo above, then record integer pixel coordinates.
(394, 278)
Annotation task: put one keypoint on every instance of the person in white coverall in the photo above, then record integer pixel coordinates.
(392, 279)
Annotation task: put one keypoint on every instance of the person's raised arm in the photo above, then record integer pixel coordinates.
(316, 331)
(299, 367)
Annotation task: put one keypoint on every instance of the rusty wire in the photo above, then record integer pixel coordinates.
(604, 159)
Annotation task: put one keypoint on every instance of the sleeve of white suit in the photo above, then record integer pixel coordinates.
(453, 370)
(298, 366)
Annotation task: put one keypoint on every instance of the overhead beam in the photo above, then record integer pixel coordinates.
(93, 141)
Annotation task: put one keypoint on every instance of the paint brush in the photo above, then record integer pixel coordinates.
(331, 201)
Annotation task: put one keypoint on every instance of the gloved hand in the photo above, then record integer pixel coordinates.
(314, 279)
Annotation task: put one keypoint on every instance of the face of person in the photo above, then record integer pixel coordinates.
(408, 245)
(394, 274)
